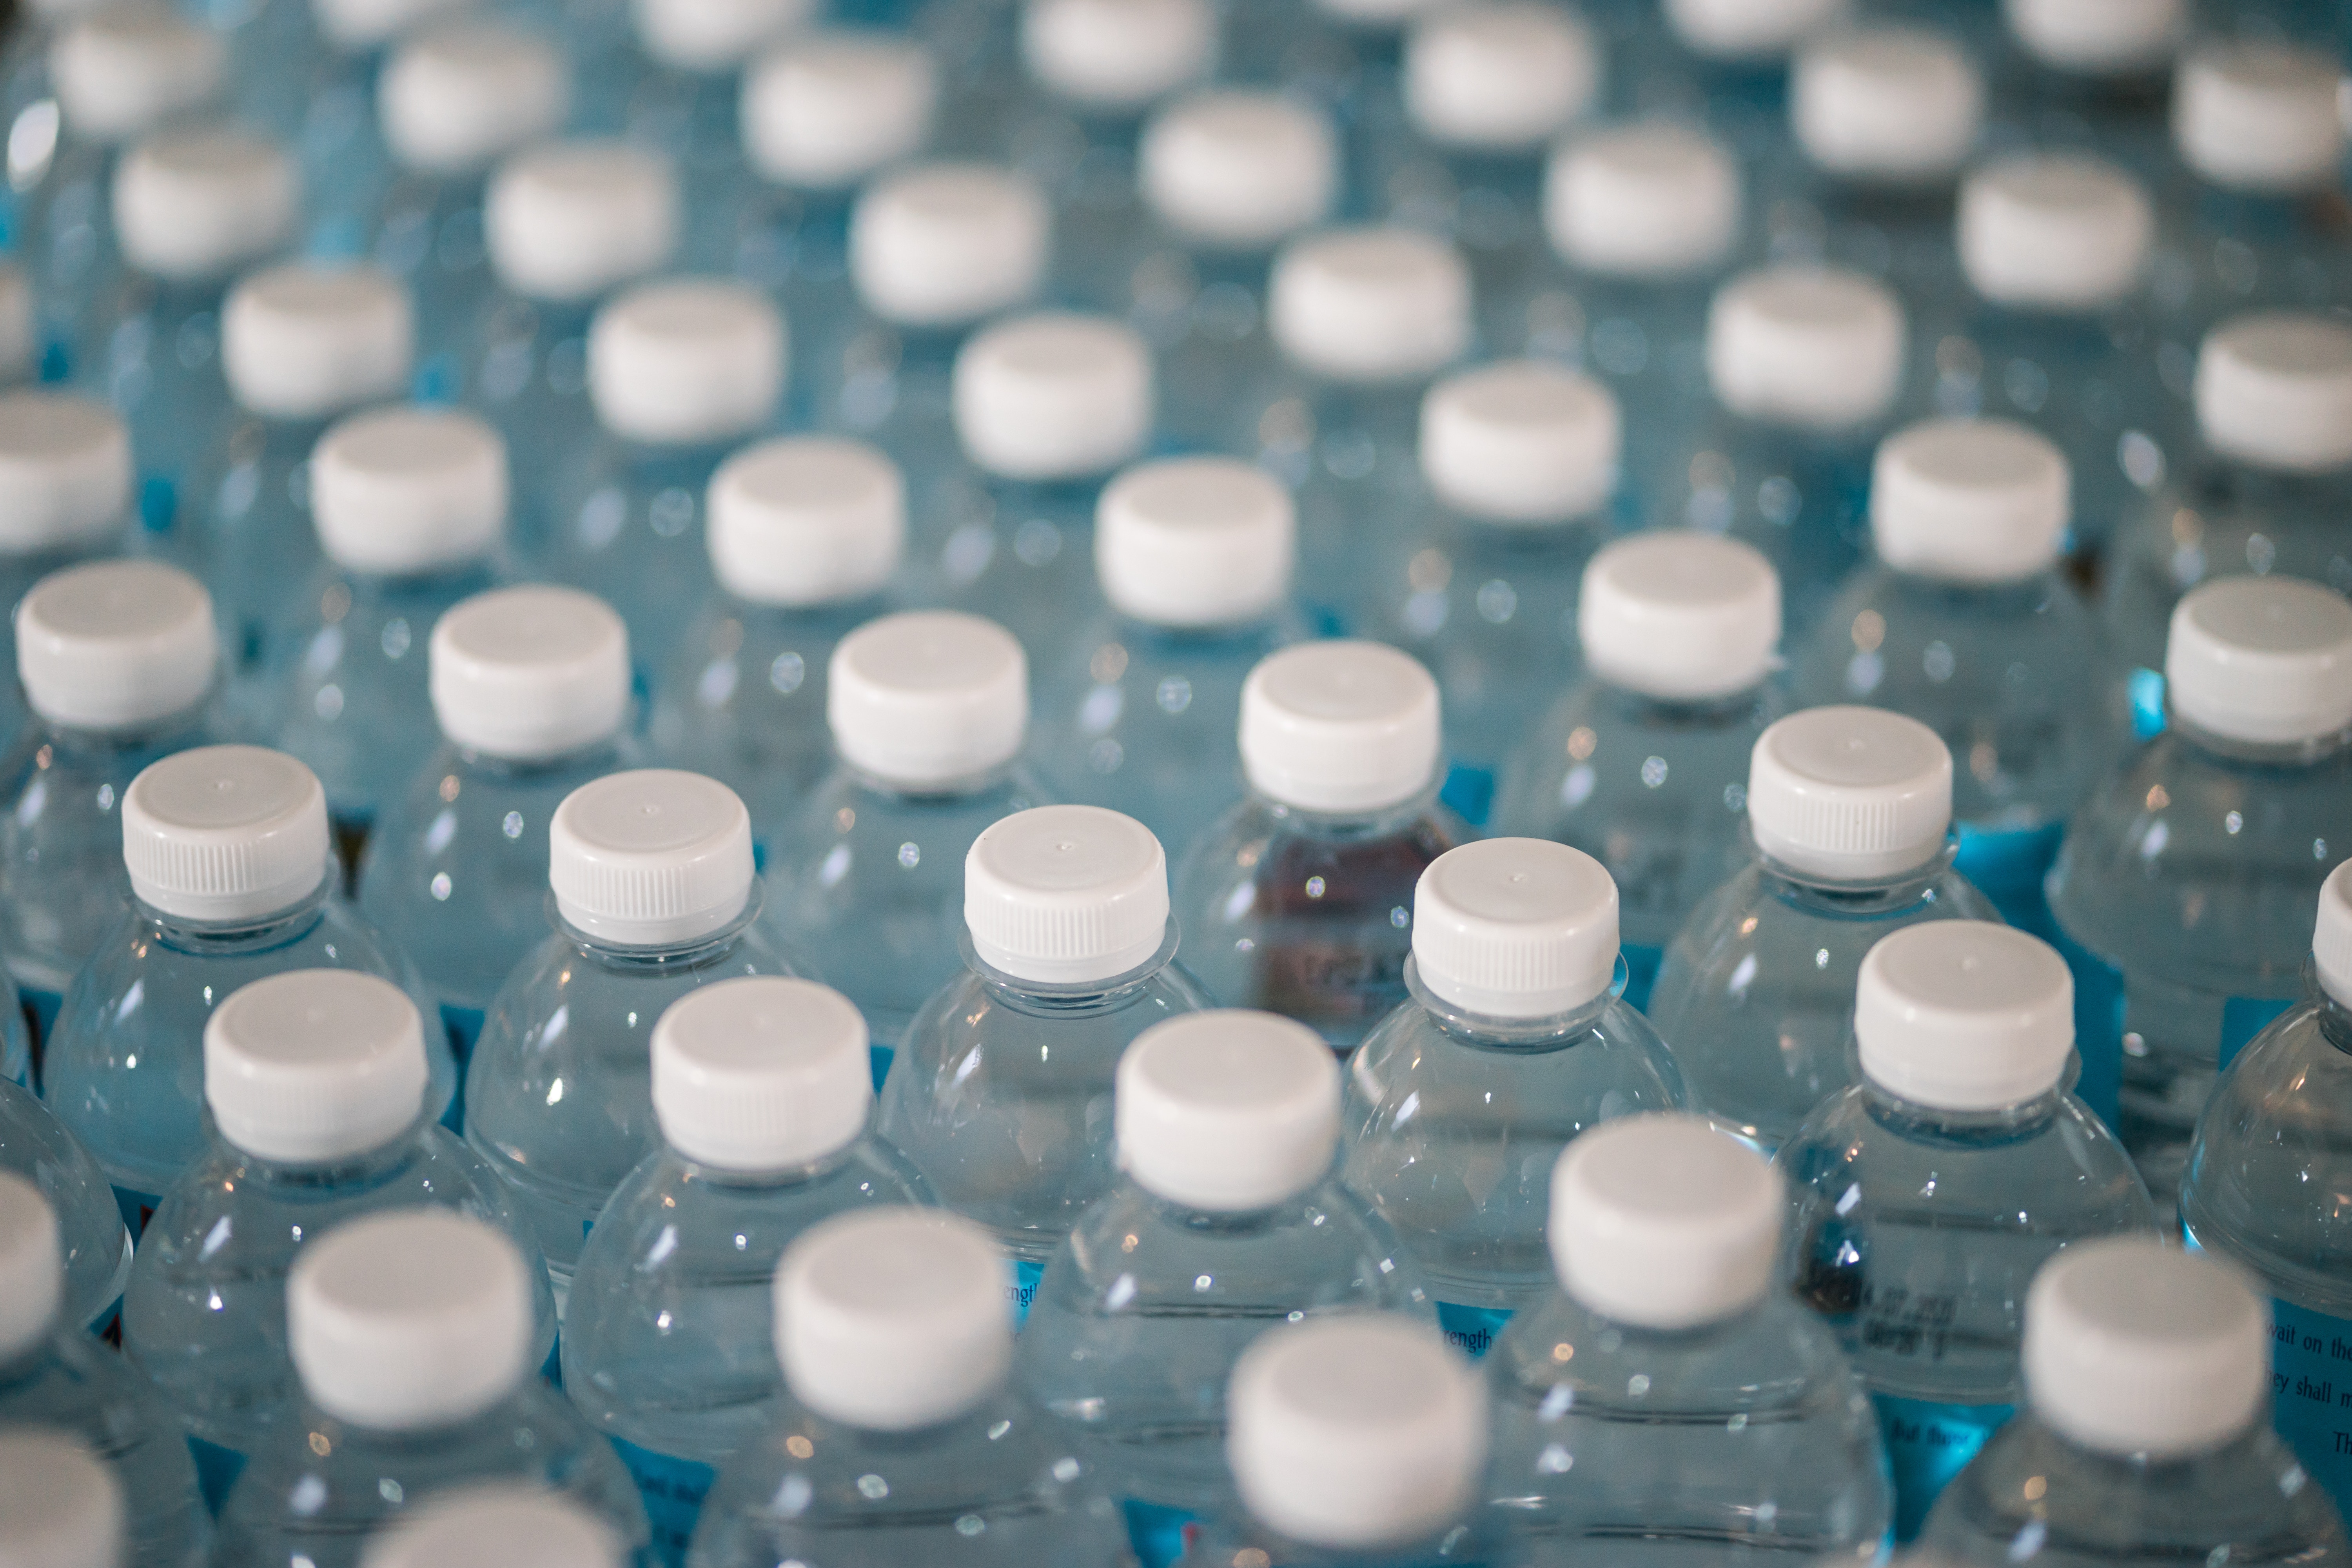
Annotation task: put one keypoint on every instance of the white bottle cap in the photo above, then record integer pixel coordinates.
(59, 1507)
(2054, 232)
(573, 220)
(116, 645)
(313, 1065)
(503, 1524)
(1521, 441)
(1679, 615)
(762, 1073)
(1648, 200)
(304, 341)
(929, 699)
(409, 1321)
(65, 472)
(1117, 54)
(1370, 305)
(1339, 726)
(1968, 501)
(529, 673)
(467, 93)
(355, 27)
(942, 245)
(806, 520)
(1514, 928)
(225, 833)
(825, 111)
(893, 1318)
(2134, 1346)
(1356, 1432)
(120, 72)
(1054, 396)
(2331, 938)
(713, 35)
(1662, 1221)
(1227, 1111)
(32, 1267)
(2266, 660)
(2258, 116)
(1883, 102)
(199, 205)
(1964, 1015)
(1195, 541)
(1499, 75)
(2274, 389)
(1850, 794)
(1238, 170)
(1748, 29)
(16, 324)
(402, 491)
(1816, 347)
(652, 857)
(2100, 37)
(1062, 895)
(685, 361)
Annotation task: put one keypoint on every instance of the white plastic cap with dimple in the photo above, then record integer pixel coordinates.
(1370, 305)
(1663, 1222)
(825, 111)
(1339, 726)
(1227, 1111)
(65, 471)
(1522, 441)
(1499, 75)
(1816, 347)
(893, 1318)
(651, 857)
(354, 26)
(2331, 936)
(529, 673)
(409, 1321)
(462, 95)
(314, 1065)
(1356, 1432)
(60, 1506)
(686, 361)
(2258, 116)
(573, 220)
(942, 244)
(305, 341)
(1062, 895)
(2054, 232)
(199, 205)
(928, 698)
(2134, 1346)
(2099, 37)
(221, 833)
(713, 35)
(1885, 102)
(401, 491)
(2265, 661)
(16, 324)
(1850, 794)
(1748, 29)
(1117, 54)
(1679, 615)
(1195, 541)
(1652, 199)
(1054, 396)
(120, 71)
(1969, 501)
(2274, 389)
(1514, 928)
(1239, 169)
(32, 1267)
(116, 645)
(806, 520)
(762, 1073)
(500, 1524)
(1969, 1016)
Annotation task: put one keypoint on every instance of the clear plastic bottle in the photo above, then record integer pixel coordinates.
(59, 1506)
(500, 1524)
(93, 1240)
(412, 1332)
(1514, 1043)
(765, 1100)
(1926, 1195)
(65, 487)
(899, 1440)
(1672, 1390)
(2146, 1375)
(1300, 900)
(1639, 763)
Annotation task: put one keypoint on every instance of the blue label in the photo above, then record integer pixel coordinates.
(2008, 867)
(2146, 688)
(673, 1490)
(2098, 1023)
(1926, 1445)
(1641, 972)
(2243, 1017)
(137, 1208)
(217, 1471)
(1023, 1291)
(1158, 1533)
(1473, 1331)
(1470, 791)
(2311, 1393)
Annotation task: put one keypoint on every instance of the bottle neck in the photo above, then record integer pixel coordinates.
(930, 791)
(690, 953)
(1723, 712)
(1910, 1118)
(240, 935)
(1346, 825)
(1042, 999)
(600, 755)
(1866, 896)
(2309, 751)
(1485, 1031)
(343, 1170)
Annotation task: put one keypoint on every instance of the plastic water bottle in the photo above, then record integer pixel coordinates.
(1299, 898)
(60, 1507)
(66, 490)
(1619, 1402)
(412, 1332)
(232, 880)
(53, 1374)
(497, 1525)
(93, 1240)
(765, 1100)
(891, 1332)
(1515, 1042)
(2185, 885)
(928, 710)
(1641, 764)
(2146, 1373)
(1961, 1127)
